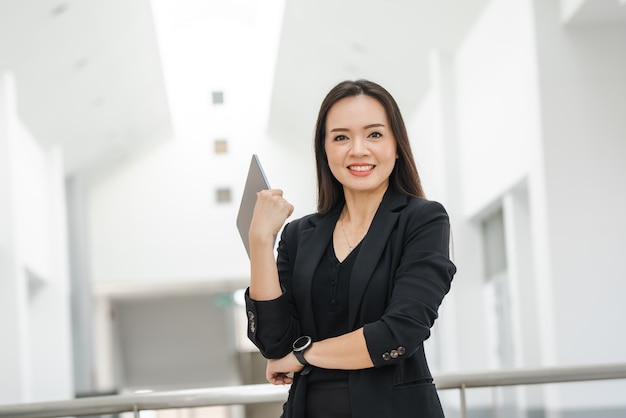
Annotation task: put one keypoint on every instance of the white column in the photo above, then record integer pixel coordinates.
(35, 351)
(13, 379)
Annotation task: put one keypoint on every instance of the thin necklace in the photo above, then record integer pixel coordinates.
(350, 247)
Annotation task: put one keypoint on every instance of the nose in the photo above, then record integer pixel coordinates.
(359, 146)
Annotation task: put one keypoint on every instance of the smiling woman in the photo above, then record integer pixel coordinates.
(349, 318)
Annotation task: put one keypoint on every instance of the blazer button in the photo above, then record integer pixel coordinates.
(401, 350)
(251, 321)
(386, 356)
(394, 354)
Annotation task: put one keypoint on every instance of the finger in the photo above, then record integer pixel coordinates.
(284, 380)
(272, 376)
(271, 192)
(280, 379)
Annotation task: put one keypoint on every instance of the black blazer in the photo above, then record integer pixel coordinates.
(400, 276)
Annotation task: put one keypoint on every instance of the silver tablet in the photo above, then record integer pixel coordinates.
(255, 182)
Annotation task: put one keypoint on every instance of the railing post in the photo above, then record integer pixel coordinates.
(136, 411)
(495, 401)
(463, 404)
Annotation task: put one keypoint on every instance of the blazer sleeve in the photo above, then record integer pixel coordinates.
(273, 325)
(418, 285)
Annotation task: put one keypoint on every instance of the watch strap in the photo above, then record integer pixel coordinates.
(300, 357)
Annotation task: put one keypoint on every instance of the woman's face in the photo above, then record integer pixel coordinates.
(360, 145)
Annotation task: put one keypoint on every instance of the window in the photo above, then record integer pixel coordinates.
(223, 195)
(497, 288)
(494, 244)
(220, 146)
(217, 97)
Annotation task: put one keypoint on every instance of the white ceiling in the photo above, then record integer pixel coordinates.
(591, 12)
(387, 41)
(89, 76)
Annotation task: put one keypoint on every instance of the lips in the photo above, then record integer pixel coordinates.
(361, 167)
(361, 170)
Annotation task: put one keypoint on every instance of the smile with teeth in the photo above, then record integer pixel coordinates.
(361, 167)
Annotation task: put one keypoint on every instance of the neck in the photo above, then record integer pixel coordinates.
(360, 208)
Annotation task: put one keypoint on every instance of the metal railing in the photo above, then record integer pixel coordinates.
(254, 394)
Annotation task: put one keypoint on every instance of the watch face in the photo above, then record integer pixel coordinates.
(301, 343)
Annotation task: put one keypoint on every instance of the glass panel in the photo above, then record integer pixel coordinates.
(494, 244)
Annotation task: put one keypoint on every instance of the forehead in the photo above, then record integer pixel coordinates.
(356, 110)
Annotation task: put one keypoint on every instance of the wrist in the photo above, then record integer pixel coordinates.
(261, 239)
(300, 346)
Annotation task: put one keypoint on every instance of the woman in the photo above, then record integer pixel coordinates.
(356, 286)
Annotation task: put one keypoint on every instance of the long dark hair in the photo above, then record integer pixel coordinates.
(404, 178)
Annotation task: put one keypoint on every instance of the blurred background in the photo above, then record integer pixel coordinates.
(126, 131)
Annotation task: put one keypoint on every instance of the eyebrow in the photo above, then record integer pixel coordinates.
(373, 125)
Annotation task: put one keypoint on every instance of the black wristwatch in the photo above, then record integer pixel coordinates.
(299, 347)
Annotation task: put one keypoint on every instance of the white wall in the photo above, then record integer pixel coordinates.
(12, 290)
(583, 97)
(35, 353)
(492, 146)
(496, 101)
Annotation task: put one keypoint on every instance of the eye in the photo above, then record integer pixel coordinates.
(375, 135)
(340, 138)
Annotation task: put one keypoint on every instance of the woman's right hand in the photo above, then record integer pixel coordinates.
(270, 213)
(280, 371)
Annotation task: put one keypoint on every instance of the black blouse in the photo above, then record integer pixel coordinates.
(329, 292)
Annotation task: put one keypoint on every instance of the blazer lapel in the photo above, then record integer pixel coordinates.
(311, 247)
(372, 248)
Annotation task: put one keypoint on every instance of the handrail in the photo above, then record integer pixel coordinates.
(262, 393)
(530, 376)
(228, 395)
